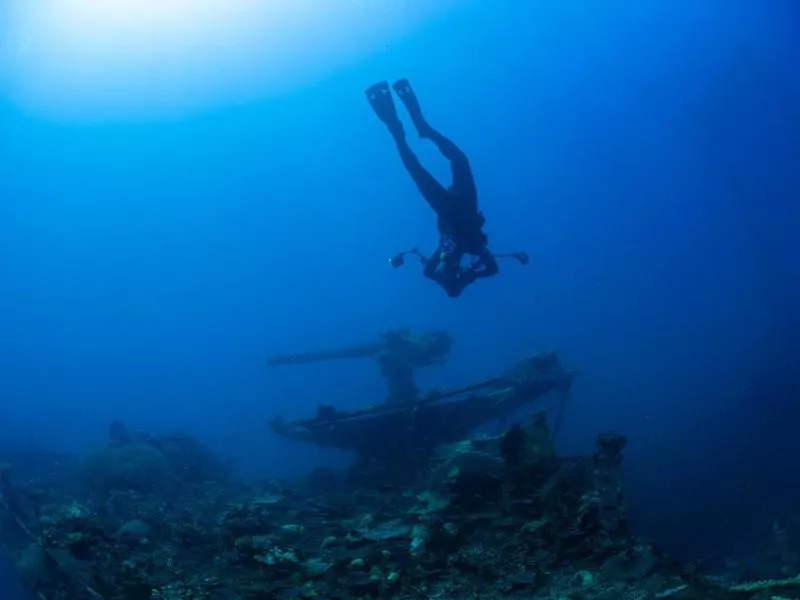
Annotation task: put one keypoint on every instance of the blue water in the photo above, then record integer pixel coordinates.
(10, 588)
(645, 156)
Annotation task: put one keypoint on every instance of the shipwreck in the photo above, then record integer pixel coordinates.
(410, 423)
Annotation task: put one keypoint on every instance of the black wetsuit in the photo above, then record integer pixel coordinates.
(459, 221)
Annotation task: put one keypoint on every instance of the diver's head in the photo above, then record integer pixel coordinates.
(447, 246)
(454, 291)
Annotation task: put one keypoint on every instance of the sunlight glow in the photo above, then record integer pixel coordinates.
(107, 57)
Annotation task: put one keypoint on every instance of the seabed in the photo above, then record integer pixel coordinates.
(428, 510)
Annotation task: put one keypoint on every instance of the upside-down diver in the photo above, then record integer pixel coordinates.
(459, 220)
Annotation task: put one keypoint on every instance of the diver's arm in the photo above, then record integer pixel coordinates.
(489, 264)
(422, 258)
(432, 270)
(434, 273)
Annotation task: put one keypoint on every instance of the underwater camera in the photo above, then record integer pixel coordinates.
(398, 260)
(522, 257)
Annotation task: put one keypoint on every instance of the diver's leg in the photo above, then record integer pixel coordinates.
(380, 98)
(434, 192)
(463, 181)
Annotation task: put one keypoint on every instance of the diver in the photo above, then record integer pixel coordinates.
(459, 221)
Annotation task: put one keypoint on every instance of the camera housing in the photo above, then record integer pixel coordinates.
(397, 261)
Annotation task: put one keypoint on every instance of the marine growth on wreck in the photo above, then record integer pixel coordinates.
(450, 515)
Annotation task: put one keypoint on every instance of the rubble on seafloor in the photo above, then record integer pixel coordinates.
(160, 518)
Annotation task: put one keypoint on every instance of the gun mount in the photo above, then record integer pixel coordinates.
(397, 353)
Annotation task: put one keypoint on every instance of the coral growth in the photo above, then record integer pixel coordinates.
(491, 518)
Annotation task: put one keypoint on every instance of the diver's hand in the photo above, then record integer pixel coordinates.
(476, 266)
(422, 258)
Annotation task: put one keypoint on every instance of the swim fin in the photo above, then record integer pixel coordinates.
(380, 98)
(405, 92)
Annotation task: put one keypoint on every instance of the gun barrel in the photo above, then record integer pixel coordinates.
(365, 351)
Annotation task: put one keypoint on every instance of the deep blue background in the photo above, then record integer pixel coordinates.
(9, 586)
(645, 154)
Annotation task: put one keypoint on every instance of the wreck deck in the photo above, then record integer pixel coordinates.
(390, 430)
